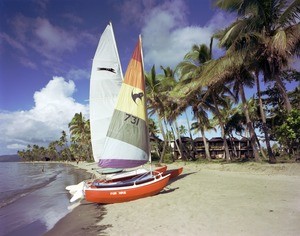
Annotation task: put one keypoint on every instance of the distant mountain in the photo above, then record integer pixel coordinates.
(10, 158)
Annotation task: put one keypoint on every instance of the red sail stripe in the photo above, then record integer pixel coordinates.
(134, 75)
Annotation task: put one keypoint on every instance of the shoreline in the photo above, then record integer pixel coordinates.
(33, 196)
(206, 199)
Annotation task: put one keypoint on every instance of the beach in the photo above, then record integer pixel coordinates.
(206, 199)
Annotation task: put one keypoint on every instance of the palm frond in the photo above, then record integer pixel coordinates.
(291, 15)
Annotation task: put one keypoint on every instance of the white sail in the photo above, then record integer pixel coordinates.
(106, 79)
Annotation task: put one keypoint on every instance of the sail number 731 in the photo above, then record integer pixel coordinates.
(132, 119)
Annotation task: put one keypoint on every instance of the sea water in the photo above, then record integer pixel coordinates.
(33, 196)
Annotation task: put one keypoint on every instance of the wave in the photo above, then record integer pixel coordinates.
(10, 196)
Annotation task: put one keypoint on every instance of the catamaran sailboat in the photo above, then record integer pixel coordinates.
(126, 144)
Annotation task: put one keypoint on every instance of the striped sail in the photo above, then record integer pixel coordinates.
(105, 84)
(127, 142)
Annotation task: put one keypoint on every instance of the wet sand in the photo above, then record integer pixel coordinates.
(207, 199)
(81, 221)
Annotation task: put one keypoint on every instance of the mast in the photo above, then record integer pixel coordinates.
(150, 158)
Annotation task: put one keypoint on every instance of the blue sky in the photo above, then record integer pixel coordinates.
(47, 46)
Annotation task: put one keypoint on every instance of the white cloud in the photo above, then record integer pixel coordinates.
(31, 37)
(12, 42)
(53, 110)
(27, 63)
(167, 37)
(53, 37)
(41, 35)
(78, 74)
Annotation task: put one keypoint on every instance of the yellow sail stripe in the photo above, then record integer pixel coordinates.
(132, 101)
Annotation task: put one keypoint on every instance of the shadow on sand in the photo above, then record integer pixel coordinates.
(167, 189)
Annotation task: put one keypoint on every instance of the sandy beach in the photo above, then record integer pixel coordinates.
(207, 199)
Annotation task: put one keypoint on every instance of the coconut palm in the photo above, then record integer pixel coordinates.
(243, 78)
(80, 134)
(52, 151)
(153, 132)
(191, 71)
(168, 83)
(270, 30)
(218, 101)
(155, 103)
(63, 143)
(264, 120)
(201, 125)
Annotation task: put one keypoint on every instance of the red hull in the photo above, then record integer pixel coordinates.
(129, 193)
(173, 173)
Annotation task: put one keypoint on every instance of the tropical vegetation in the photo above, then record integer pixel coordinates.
(77, 148)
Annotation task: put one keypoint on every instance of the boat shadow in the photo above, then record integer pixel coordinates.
(180, 177)
(167, 189)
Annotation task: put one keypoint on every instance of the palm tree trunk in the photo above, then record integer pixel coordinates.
(191, 137)
(206, 145)
(180, 142)
(219, 116)
(249, 123)
(176, 144)
(226, 148)
(282, 90)
(162, 131)
(260, 148)
(264, 122)
(233, 146)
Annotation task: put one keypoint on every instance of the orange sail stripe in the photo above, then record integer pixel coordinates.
(135, 69)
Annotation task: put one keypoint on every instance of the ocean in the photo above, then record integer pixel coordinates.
(33, 196)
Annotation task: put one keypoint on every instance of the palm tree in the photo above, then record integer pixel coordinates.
(241, 79)
(191, 71)
(272, 158)
(153, 129)
(63, 143)
(221, 71)
(77, 127)
(218, 100)
(191, 68)
(168, 83)
(269, 33)
(270, 30)
(36, 152)
(158, 88)
(153, 132)
(202, 124)
(194, 151)
(80, 133)
(155, 103)
(182, 130)
(52, 151)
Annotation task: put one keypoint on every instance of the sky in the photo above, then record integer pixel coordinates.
(47, 46)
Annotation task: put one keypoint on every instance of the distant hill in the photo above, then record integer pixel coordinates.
(10, 158)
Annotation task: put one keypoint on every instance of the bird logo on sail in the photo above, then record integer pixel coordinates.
(107, 69)
(136, 96)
